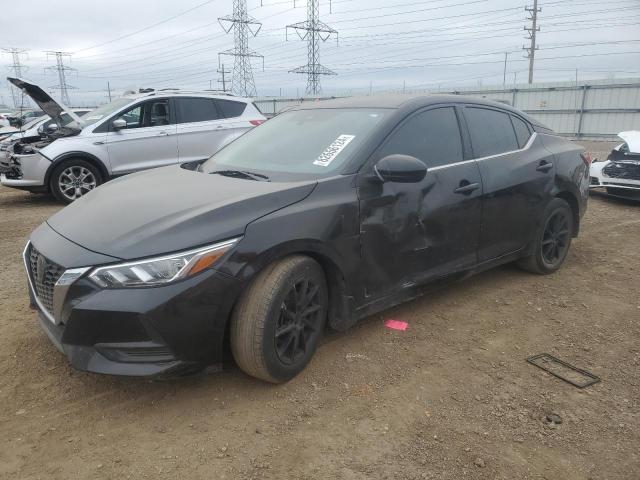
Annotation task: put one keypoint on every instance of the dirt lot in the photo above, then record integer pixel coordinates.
(450, 398)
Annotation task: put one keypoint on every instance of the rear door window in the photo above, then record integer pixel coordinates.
(491, 132)
(191, 110)
(231, 109)
(522, 131)
(432, 136)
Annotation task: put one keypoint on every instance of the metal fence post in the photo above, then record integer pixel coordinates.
(274, 106)
(581, 113)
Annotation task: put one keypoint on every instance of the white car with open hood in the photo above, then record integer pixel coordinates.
(620, 173)
(132, 133)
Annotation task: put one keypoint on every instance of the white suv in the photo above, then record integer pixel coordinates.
(132, 133)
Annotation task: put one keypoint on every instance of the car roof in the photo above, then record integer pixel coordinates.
(409, 102)
(398, 101)
(187, 93)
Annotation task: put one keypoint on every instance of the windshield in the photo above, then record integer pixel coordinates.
(101, 112)
(32, 123)
(310, 143)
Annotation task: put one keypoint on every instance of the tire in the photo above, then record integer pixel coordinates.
(552, 239)
(263, 335)
(69, 172)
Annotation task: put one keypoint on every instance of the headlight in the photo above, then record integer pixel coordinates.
(160, 270)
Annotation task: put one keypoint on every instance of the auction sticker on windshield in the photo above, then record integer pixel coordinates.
(332, 151)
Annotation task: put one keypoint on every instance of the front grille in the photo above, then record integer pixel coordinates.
(628, 171)
(44, 275)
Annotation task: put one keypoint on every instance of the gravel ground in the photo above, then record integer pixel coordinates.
(451, 397)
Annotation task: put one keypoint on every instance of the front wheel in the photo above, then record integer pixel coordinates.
(73, 178)
(552, 240)
(279, 318)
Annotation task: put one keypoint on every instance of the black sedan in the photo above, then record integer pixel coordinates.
(323, 215)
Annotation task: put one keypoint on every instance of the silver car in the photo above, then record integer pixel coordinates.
(132, 133)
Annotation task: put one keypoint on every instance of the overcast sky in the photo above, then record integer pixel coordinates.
(382, 44)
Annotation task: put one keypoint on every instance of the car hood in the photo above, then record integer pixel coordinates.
(632, 139)
(8, 130)
(170, 209)
(43, 100)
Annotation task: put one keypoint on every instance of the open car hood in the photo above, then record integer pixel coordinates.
(43, 100)
(632, 139)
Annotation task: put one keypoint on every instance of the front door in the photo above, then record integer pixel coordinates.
(415, 232)
(149, 139)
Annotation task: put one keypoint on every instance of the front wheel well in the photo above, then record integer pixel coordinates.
(575, 209)
(339, 315)
(82, 156)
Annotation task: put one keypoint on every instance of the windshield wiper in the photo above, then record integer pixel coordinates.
(241, 174)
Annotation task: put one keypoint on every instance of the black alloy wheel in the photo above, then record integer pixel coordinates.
(556, 238)
(550, 246)
(300, 320)
(279, 318)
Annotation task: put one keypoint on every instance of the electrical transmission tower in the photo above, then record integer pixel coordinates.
(532, 30)
(62, 70)
(242, 82)
(315, 32)
(16, 68)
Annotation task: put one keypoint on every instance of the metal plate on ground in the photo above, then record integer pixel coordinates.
(563, 370)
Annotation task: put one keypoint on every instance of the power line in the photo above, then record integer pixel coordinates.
(144, 28)
(243, 24)
(315, 31)
(532, 30)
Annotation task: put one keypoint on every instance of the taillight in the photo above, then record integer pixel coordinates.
(255, 123)
(586, 158)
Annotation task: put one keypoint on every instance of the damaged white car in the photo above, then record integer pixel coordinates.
(153, 128)
(619, 175)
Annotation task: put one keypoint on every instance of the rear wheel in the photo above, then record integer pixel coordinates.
(279, 318)
(73, 179)
(552, 240)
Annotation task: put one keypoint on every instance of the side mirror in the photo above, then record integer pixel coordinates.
(52, 128)
(119, 124)
(400, 169)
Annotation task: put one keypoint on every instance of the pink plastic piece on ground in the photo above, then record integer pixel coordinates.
(396, 324)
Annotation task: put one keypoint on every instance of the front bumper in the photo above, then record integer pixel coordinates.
(159, 331)
(27, 171)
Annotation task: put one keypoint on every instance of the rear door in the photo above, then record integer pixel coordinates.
(202, 128)
(149, 139)
(517, 175)
(414, 232)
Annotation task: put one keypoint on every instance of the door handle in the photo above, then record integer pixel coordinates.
(544, 166)
(466, 188)
(219, 127)
(163, 134)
